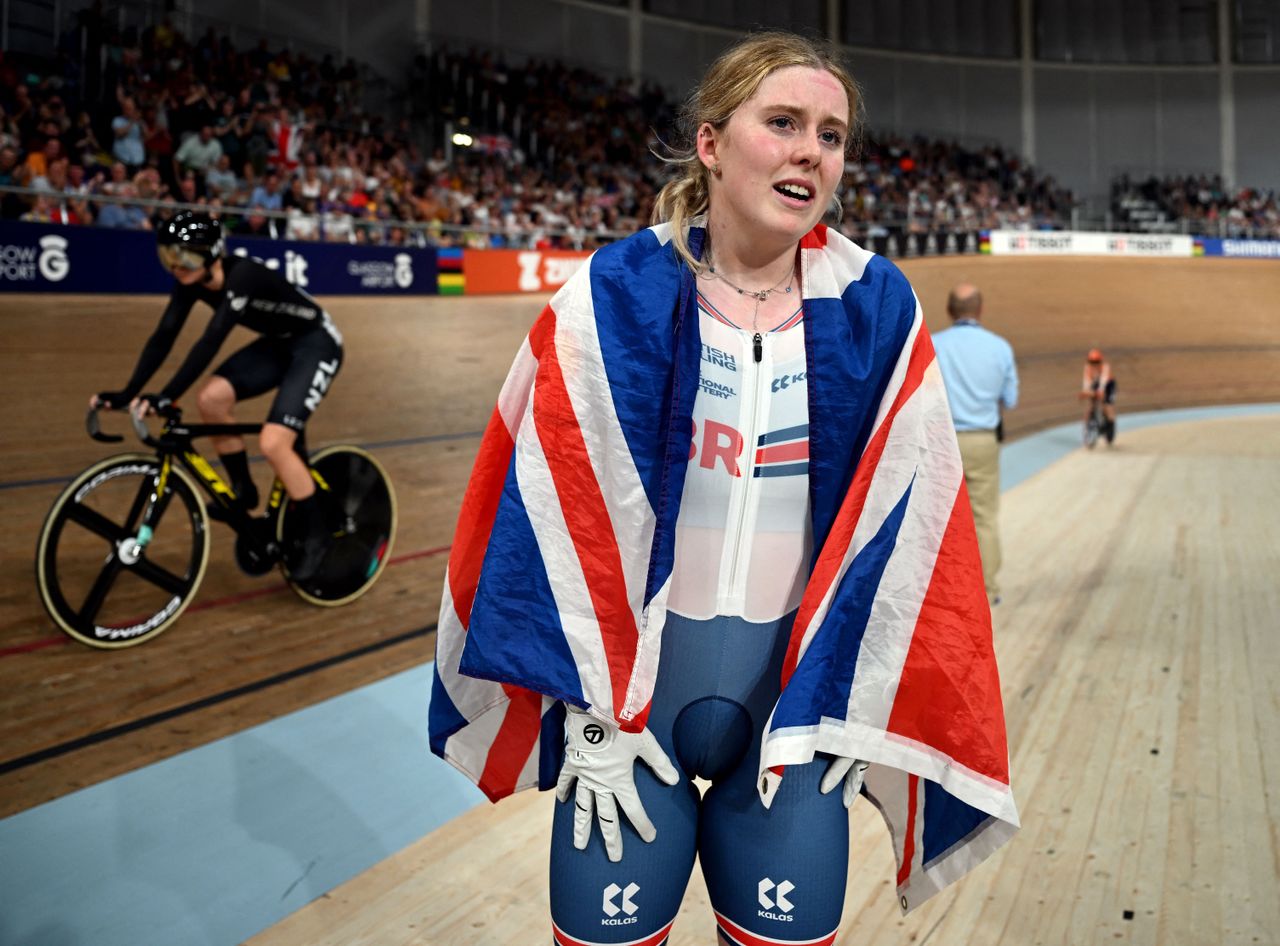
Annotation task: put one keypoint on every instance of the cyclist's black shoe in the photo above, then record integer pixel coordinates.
(1111, 432)
(312, 538)
(246, 498)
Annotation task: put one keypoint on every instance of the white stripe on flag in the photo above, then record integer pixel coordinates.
(922, 437)
(563, 569)
(585, 379)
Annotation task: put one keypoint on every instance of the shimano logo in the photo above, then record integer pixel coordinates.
(778, 900)
(123, 633)
(130, 470)
(237, 303)
(628, 907)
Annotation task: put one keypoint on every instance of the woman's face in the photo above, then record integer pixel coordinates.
(781, 155)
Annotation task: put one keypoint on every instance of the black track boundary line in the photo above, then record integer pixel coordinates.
(145, 722)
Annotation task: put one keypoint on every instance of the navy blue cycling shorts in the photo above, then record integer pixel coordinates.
(775, 875)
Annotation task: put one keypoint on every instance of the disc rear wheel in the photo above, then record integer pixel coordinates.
(357, 497)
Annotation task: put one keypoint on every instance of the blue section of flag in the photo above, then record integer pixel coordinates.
(820, 686)
(947, 822)
(514, 592)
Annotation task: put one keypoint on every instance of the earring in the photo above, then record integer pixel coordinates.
(714, 169)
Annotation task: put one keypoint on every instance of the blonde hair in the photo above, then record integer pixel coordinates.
(732, 79)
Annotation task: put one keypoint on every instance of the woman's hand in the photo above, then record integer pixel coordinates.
(850, 771)
(602, 759)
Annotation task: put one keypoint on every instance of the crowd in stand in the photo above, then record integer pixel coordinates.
(1200, 204)
(280, 144)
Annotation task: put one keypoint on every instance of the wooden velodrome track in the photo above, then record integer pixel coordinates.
(1136, 639)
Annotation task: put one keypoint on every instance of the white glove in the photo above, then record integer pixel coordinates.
(602, 758)
(852, 771)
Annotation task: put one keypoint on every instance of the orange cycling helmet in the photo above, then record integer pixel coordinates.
(1095, 355)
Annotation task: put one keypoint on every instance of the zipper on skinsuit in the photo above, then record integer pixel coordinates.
(751, 389)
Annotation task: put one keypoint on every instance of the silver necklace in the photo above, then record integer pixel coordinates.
(759, 294)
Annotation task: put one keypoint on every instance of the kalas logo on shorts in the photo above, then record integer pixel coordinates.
(20, 263)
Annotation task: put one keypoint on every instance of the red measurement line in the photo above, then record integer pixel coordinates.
(61, 639)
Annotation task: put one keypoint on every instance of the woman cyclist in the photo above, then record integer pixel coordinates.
(298, 353)
(660, 491)
(1099, 384)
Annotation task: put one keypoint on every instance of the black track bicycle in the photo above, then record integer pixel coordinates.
(1096, 425)
(123, 550)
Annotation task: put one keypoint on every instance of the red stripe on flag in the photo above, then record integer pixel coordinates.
(484, 491)
(909, 837)
(475, 520)
(513, 743)
(846, 521)
(952, 641)
(587, 517)
(783, 451)
(746, 938)
(815, 239)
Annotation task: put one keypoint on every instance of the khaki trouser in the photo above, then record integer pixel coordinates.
(980, 454)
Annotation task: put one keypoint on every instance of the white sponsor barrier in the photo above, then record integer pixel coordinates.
(1077, 243)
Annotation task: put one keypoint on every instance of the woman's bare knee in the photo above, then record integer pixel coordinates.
(276, 441)
(216, 400)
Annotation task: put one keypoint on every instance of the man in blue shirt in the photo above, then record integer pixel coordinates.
(981, 378)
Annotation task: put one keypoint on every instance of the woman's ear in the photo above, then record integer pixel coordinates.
(708, 144)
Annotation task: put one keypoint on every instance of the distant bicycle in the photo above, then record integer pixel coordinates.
(117, 562)
(1096, 425)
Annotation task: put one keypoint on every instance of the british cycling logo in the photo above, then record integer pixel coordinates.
(611, 909)
(20, 263)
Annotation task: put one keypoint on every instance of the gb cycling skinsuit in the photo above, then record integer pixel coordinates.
(299, 351)
(743, 539)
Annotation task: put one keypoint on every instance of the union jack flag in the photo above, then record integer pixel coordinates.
(557, 583)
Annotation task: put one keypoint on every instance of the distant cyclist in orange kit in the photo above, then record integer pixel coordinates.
(1099, 383)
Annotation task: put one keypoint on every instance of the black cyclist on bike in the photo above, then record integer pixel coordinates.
(298, 353)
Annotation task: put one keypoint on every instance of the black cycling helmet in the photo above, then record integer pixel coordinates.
(189, 240)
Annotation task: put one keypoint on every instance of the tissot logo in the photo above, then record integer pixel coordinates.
(777, 901)
(612, 909)
(593, 734)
